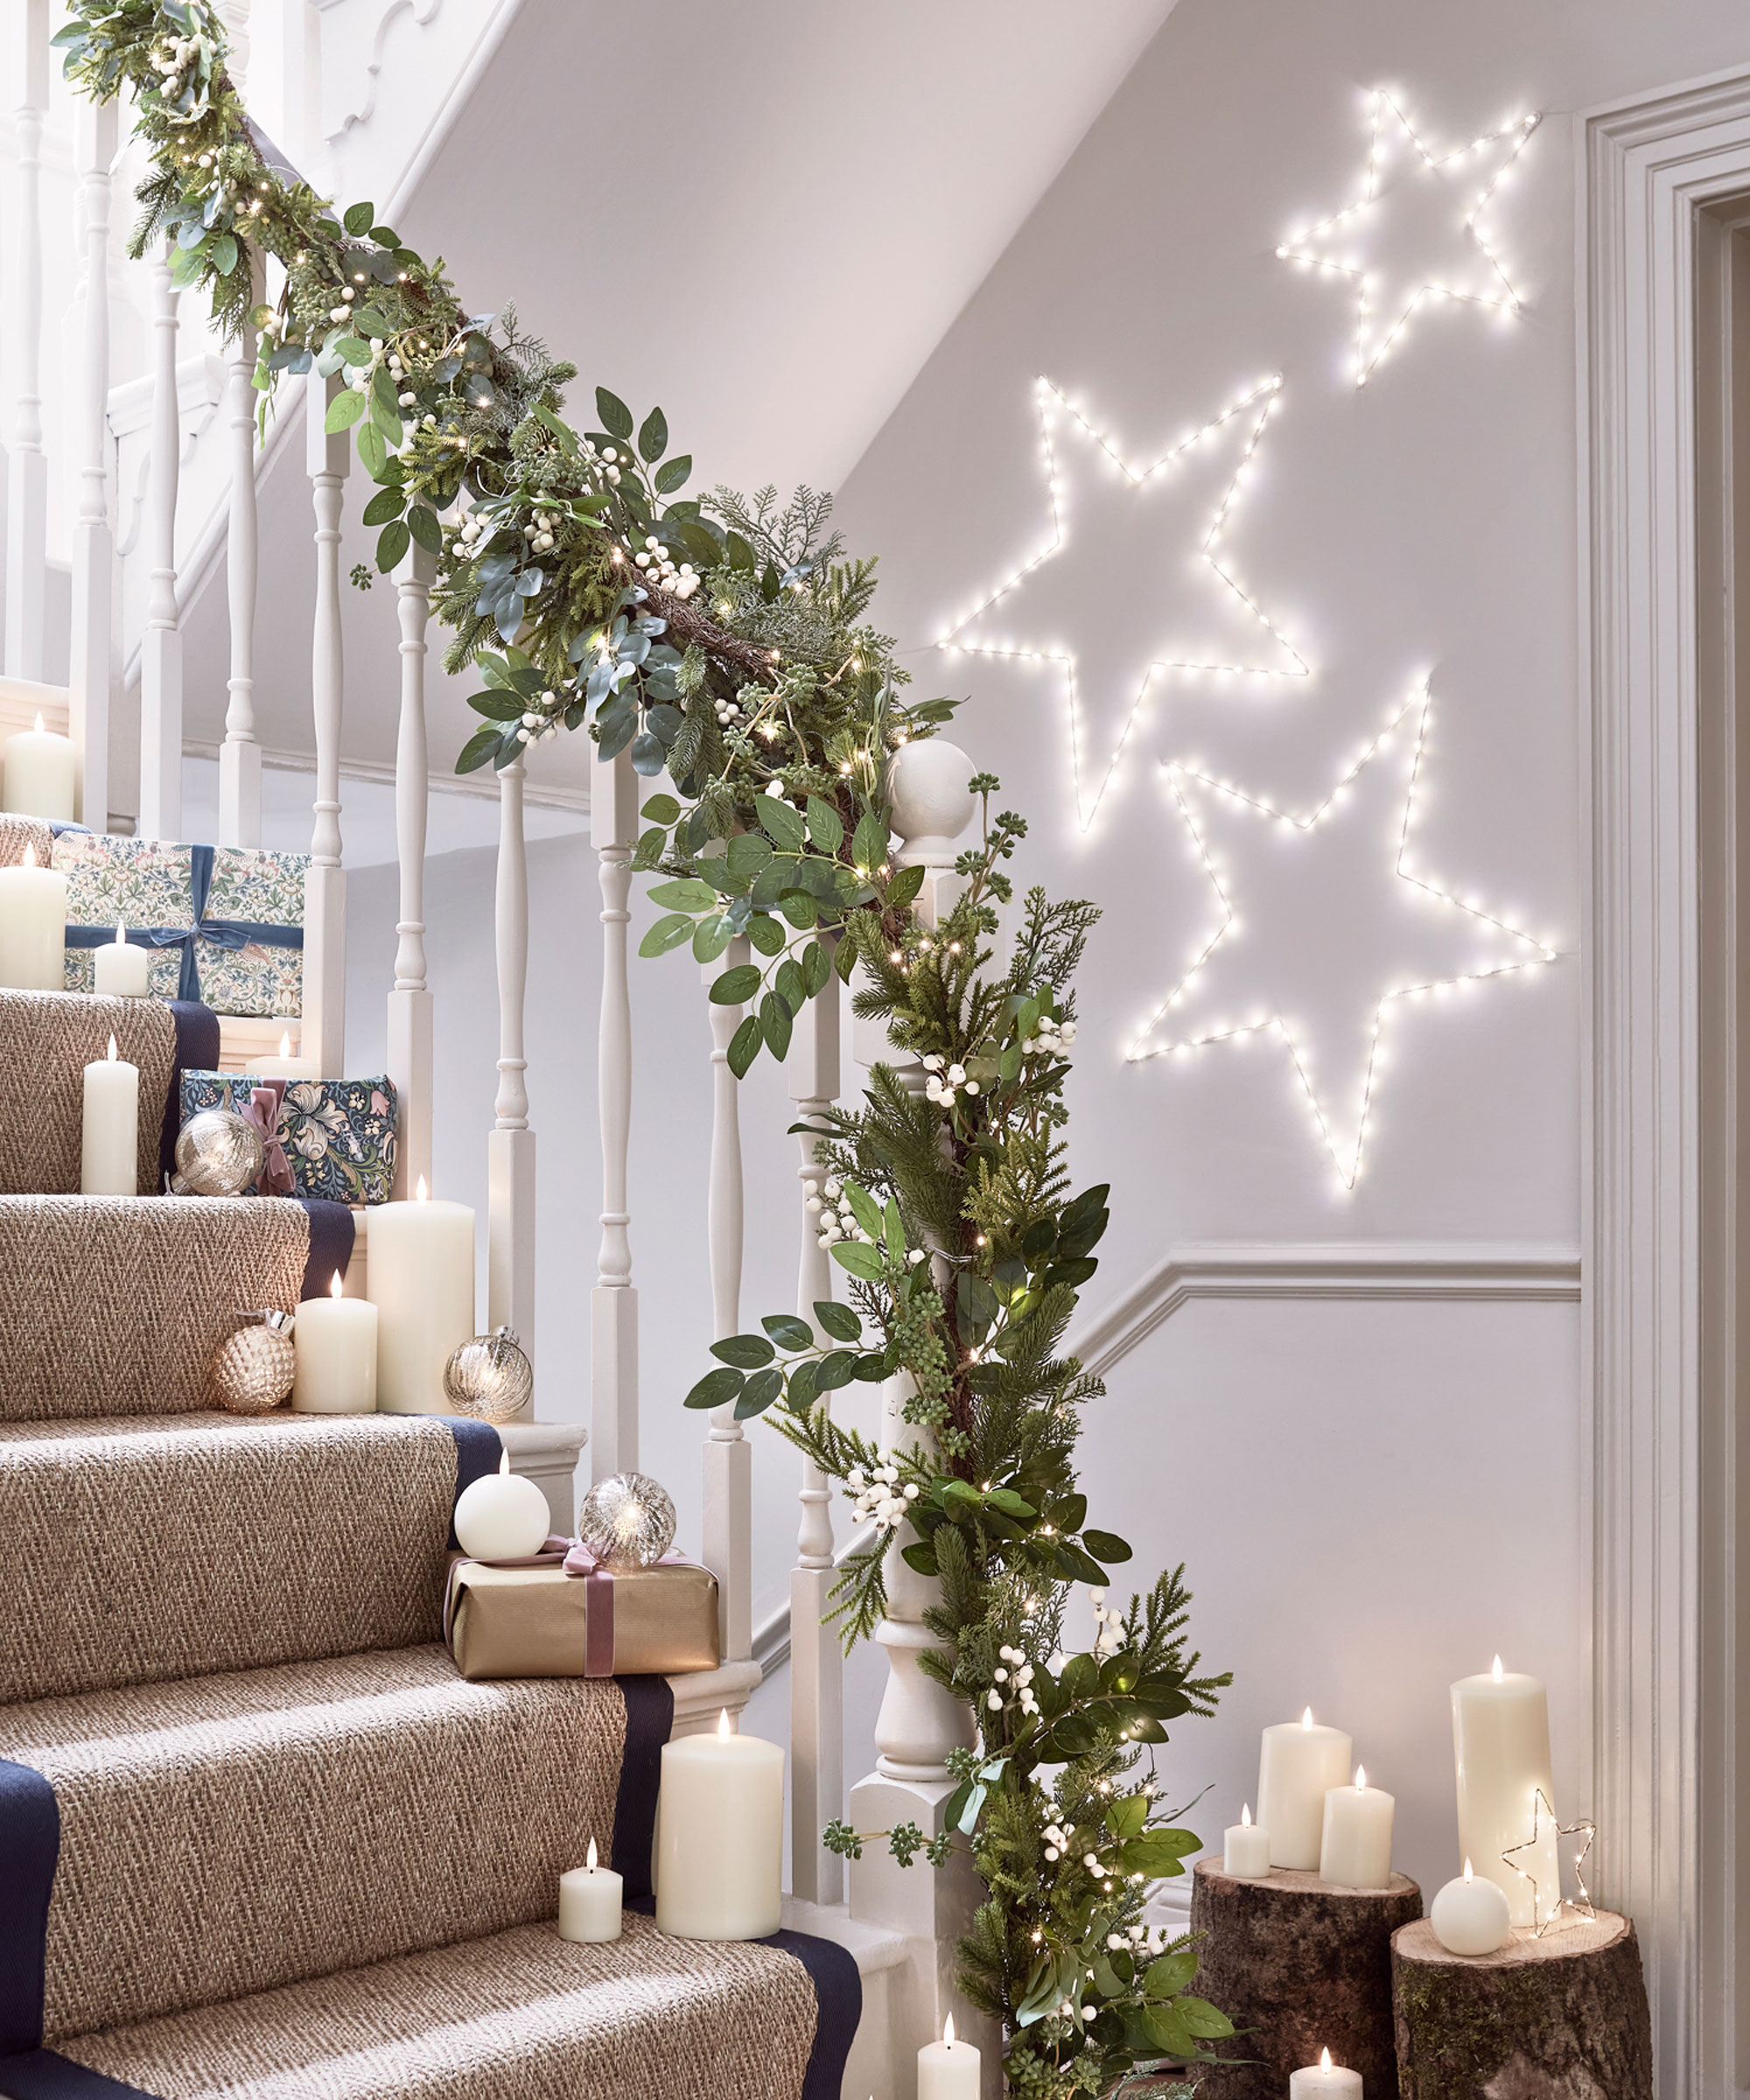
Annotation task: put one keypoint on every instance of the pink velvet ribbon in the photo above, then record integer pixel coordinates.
(578, 1560)
(262, 1109)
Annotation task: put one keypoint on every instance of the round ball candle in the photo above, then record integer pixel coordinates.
(1246, 1847)
(32, 926)
(420, 1273)
(1325, 2080)
(503, 1516)
(948, 2070)
(589, 1900)
(1356, 1850)
(336, 1364)
(119, 972)
(1470, 1916)
(1501, 1739)
(1299, 1765)
(720, 1837)
(109, 1153)
(41, 775)
(285, 1065)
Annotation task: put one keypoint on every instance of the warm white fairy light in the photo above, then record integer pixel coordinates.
(1331, 245)
(1253, 408)
(1528, 953)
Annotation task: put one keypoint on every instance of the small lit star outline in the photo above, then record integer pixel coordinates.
(1540, 1814)
(1261, 400)
(1316, 244)
(1348, 1168)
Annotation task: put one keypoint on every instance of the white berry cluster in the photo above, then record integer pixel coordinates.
(659, 564)
(1018, 1674)
(945, 1081)
(399, 372)
(1110, 1637)
(609, 458)
(536, 725)
(879, 1495)
(1052, 1039)
(540, 534)
(730, 712)
(169, 57)
(831, 1206)
(468, 534)
(1141, 1939)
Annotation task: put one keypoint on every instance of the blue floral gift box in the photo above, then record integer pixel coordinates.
(337, 1134)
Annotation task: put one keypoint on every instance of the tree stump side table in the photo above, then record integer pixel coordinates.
(1563, 2017)
(1305, 1966)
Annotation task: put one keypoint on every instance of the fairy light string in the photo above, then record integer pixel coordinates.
(1585, 1830)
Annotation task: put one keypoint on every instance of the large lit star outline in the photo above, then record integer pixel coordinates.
(1349, 1169)
(1313, 246)
(1262, 399)
(1586, 1830)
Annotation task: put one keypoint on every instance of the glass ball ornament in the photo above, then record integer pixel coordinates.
(627, 1521)
(253, 1368)
(489, 1377)
(218, 1153)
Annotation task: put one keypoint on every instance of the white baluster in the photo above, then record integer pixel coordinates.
(93, 545)
(410, 1003)
(235, 14)
(325, 884)
(27, 468)
(510, 1152)
(240, 755)
(728, 1540)
(613, 1303)
(161, 645)
(816, 1666)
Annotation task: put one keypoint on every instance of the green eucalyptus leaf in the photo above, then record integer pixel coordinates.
(344, 411)
(711, 937)
(686, 894)
(789, 1330)
(479, 748)
(826, 828)
(776, 1024)
(392, 543)
(386, 504)
(838, 1320)
(358, 218)
(667, 932)
(616, 417)
(653, 436)
(766, 935)
(423, 522)
(760, 1392)
(716, 1388)
(745, 1352)
(1106, 1547)
(743, 1046)
(735, 985)
(859, 1260)
(782, 824)
(662, 810)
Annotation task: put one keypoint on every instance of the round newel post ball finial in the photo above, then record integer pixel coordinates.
(932, 800)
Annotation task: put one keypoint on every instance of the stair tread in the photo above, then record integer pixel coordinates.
(519, 2015)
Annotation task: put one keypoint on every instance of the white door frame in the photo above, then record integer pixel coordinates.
(1662, 1407)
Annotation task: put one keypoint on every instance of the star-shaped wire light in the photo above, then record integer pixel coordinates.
(1117, 648)
(1403, 169)
(1542, 1813)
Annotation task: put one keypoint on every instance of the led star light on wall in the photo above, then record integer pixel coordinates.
(1312, 949)
(1146, 585)
(1414, 238)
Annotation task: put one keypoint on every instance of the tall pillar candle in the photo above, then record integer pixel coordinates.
(720, 1838)
(421, 1277)
(1355, 1849)
(41, 775)
(1501, 1742)
(119, 972)
(32, 926)
(1299, 1764)
(335, 1369)
(109, 1152)
(948, 2070)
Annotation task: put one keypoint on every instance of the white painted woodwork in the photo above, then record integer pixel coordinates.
(27, 469)
(613, 1303)
(510, 1150)
(93, 545)
(246, 1039)
(21, 702)
(325, 887)
(161, 645)
(409, 1001)
(239, 756)
(547, 1453)
(728, 1525)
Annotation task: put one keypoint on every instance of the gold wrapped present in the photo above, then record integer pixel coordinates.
(536, 1621)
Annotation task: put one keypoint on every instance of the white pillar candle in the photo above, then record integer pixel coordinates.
(720, 1837)
(32, 926)
(948, 2070)
(285, 1065)
(109, 1157)
(335, 1369)
(1470, 1916)
(590, 1902)
(1246, 1847)
(1325, 2080)
(41, 775)
(1356, 1850)
(1501, 1738)
(422, 1282)
(502, 1516)
(1298, 1766)
(119, 972)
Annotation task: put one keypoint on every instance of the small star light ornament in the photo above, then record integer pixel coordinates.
(1414, 238)
(1134, 584)
(1548, 1905)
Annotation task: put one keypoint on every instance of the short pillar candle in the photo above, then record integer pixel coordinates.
(1325, 2080)
(335, 1369)
(119, 972)
(1299, 1764)
(41, 775)
(1501, 1744)
(1246, 1848)
(109, 1152)
(1355, 1849)
(32, 926)
(720, 1837)
(948, 2070)
(590, 1899)
(285, 1065)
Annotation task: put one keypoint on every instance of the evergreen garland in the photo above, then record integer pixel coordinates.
(568, 564)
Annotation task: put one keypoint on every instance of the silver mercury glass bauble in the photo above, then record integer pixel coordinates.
(489, 1377)
(252, 1370)
(627, 1521)
(218, 1153)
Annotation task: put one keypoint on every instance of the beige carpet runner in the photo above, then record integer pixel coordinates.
(46, 1040)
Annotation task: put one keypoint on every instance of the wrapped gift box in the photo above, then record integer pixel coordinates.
(226, 921)
(538, 1621)
(337, 1134)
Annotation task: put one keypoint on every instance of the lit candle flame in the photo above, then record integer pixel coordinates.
(334, 1288)
(590, 1863)
(120, 936)
(1324, 2060)
(948, 2032)
(39, 722)
(1469, 1876)
(29, 856)
(1361, 1778)
(285, 1042)
(722, 1725)
(112, 1049)
(1306, 1718)
(1246, 1816)
(504, 1462)
(421, 1192)
(1498, 1673)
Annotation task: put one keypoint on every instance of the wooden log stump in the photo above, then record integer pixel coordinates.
(1563, 2017)
(1301, 1965)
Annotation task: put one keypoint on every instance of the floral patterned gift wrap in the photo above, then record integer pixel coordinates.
(337, 1134)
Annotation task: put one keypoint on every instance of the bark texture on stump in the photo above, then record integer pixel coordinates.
(1563, 2017)
(1304, 1966)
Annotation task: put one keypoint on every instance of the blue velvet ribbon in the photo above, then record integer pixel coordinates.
(230, 934)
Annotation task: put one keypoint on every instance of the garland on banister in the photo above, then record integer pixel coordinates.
(721, 642)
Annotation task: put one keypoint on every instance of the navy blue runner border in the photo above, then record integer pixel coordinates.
(649, 1720)
(197, 1050)
(45, 2075)
(479, 1448)
(331, 1235)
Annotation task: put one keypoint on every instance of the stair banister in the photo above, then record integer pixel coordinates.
(327, 459)
(240, 755)
(613, 1303)
(93, 545)
(510, 1150)
(728, 1533)
(161, 646)
(410, 1002)
(27, 470)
